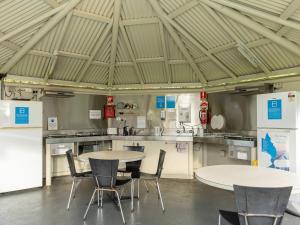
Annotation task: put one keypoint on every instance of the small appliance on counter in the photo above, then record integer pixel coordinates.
(112, 131)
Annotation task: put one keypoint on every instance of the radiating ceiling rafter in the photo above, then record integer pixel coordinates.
(232, 33)
(132, 56)
(258, 13)
(183, 9)
(114, 41)
(163, 17)
(201, 47)
(39, 35)
(255, 26)
(32, 23)
(54, 58)
(164, 48)
(94, 52)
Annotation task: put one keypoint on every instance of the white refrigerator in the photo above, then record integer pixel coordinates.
(20, 145)
(278, 130)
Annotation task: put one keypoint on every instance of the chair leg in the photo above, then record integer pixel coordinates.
(146, 186)
(219, 219)
(71, 192)
(119, 201)
(98, 198)
(87, 210)
(138, 188)
(101, 198)
(159, 193)
(132, 194)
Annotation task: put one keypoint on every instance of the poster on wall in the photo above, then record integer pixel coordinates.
(273, 149)
(160, 102)
(95, 114)
(171, 102)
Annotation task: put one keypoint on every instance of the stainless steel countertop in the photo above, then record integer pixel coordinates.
(113, 137)
(208, 140)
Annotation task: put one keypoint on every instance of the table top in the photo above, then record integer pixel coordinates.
(122, 156)
(225, 176)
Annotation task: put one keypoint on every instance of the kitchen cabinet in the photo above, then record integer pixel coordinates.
(178, 162)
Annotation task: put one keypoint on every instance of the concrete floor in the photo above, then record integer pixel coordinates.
(186, 203)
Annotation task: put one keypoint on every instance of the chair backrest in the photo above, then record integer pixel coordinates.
(104, 172)
(160, 164)
(71, 163)
(136, 164)
(257, 206)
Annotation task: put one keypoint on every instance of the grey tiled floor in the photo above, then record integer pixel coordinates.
(186, 202)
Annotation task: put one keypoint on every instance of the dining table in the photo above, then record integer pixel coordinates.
(121, 155)
(226, 176)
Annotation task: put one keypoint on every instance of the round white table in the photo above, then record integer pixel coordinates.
(225, 176)
(122, 156)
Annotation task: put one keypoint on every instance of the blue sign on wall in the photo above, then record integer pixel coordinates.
(275, 109)
(22, 115)
(171, 102)
(160, 102)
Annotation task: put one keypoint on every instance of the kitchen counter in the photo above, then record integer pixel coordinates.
(67, 139)
(206, 139)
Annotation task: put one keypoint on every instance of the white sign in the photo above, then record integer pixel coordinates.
(52, 123)
(141, 122)
(95, 114)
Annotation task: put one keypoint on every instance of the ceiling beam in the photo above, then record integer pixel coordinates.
(57, 46)
(244, 20)
(255, 12)
(232, 33)
(96, 48)
(132, 56)
(201, 48)
(39, 35)
(164, 19)
(91, 16)
(140, 21)
(165, 53)
(114, 41)
(183, 9)
(31, 23)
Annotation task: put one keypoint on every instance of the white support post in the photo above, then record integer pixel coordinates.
(57, 45)
(94, 51)
(114, 41)
(255, 12)
(32, 23)
(164, 19)
(232, 33)
(164, 48)
(129, 48)
(244, 20)
(39, 35)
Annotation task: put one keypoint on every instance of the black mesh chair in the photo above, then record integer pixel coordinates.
(133, 167)
(105, 176)
(77, 177)
(155, 177)
(257, 206)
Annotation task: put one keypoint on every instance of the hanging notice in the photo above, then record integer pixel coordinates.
(160, 102)
(171, 102)
(22, 115)
(275, 109)
(141, 122)
(95, 114)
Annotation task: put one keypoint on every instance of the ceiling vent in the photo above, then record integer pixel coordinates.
(253, 90)
(58, 94)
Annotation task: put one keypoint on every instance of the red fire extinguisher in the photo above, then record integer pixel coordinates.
(109, 108)
(203, 109)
